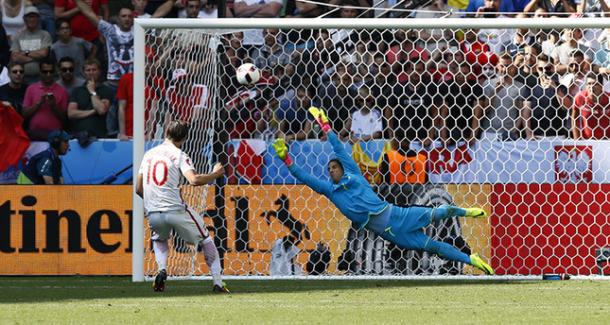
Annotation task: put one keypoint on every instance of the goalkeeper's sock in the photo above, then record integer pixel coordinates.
(212, 260)
(446, 251)
(161, 251)
(446, 211)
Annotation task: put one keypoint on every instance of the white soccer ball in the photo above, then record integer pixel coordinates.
(248, 74)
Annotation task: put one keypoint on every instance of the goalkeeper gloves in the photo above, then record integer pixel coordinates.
(281, 150)
(320, 117)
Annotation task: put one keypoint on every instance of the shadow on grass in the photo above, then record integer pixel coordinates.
(54, 289)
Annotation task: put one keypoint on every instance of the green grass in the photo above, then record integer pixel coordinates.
(119, 301)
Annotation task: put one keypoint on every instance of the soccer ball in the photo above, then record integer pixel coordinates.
(248, 74)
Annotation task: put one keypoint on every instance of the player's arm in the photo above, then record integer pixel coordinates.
(140, 185)
(315, 184)
(202, 179)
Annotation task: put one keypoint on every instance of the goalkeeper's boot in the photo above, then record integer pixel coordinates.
(159, 284)
(478, 262)
(220, 289)
(475, 213)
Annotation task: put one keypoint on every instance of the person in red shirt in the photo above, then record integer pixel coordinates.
(591, 111)
(187, 100)
(67, 9)
(125, 98)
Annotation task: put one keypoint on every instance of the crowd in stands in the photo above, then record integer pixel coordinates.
(66, 64)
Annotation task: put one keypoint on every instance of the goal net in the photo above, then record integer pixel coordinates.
(511, 115)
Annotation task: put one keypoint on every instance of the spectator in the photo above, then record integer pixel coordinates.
(497, 39)
(139, 9)
(551, 6)
(410, 109)
(602, 56)
(187, 100)
(44, 168)
(74, 47)
(67, 79)
(461, 108)
(484, 6)
(542, 109)
(591, 112)
(364, 124)
(47, 15)
(89, 103)
(45, 103)
(256, 9)
(292, 115)
(338, 95)
(13, 12)
(503, 102)
(272, 53)
(14, 91)
(125, 98)
(578, 68)
(31, 44)
(5, 53)
(551, 42)
(563, 53)
(119, 41)
(68, 9)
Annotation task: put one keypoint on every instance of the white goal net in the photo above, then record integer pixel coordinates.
(511, 115)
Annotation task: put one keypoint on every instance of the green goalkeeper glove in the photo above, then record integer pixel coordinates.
(320, 117)
(281, 150)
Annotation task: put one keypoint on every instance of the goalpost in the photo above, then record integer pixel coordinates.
(432, 82)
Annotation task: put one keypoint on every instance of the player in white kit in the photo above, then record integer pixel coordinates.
(158, 184)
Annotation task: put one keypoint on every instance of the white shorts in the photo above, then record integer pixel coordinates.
(186, 223)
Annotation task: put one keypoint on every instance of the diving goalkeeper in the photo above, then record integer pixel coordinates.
(354, 197)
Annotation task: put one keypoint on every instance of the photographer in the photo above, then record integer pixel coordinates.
(45, 103)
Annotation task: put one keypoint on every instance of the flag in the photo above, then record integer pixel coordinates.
(248, 160)
(448, 160)
(13, 140)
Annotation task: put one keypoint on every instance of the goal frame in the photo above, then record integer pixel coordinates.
(303, 23)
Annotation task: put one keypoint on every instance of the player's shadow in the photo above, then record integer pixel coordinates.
(56, 289)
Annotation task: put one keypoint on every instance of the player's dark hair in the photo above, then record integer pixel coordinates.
(177, 130)
(337, 161)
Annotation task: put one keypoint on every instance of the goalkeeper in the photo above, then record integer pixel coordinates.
(354, 197)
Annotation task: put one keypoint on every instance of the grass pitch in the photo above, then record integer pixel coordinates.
(116, 300)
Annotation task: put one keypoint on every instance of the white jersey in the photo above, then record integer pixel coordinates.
(161, 169)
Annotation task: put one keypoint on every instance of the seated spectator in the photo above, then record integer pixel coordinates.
(338, 97)
(73, 47)
(187, 100)
(45, 104)
(89, 103)
(119, 41)
(477, 53)
(31, 44)
(497, 39)
(461, 107)
(365, 123)
(67, 79)
(591, 112)
(12, 16)
(44, 168)
(293, 117)
(578, 68)
(503, 102)
(14, 91)
(543, 112)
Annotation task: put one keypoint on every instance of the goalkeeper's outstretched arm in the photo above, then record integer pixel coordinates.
(281, 150)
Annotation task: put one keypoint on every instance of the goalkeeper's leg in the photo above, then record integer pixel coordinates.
(420, 241)
(448, 211)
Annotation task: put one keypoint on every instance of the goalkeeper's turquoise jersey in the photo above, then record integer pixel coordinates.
(353, 195)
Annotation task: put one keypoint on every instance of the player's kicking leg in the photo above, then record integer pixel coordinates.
(213, 261)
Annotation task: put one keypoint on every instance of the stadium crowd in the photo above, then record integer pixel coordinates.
(417, 86)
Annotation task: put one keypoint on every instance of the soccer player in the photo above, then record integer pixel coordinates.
(353, 196)
(158, 184)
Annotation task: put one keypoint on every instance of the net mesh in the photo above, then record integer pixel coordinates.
(513, 121)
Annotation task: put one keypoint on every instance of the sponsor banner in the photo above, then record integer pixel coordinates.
(548, 228)
(65, 230)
